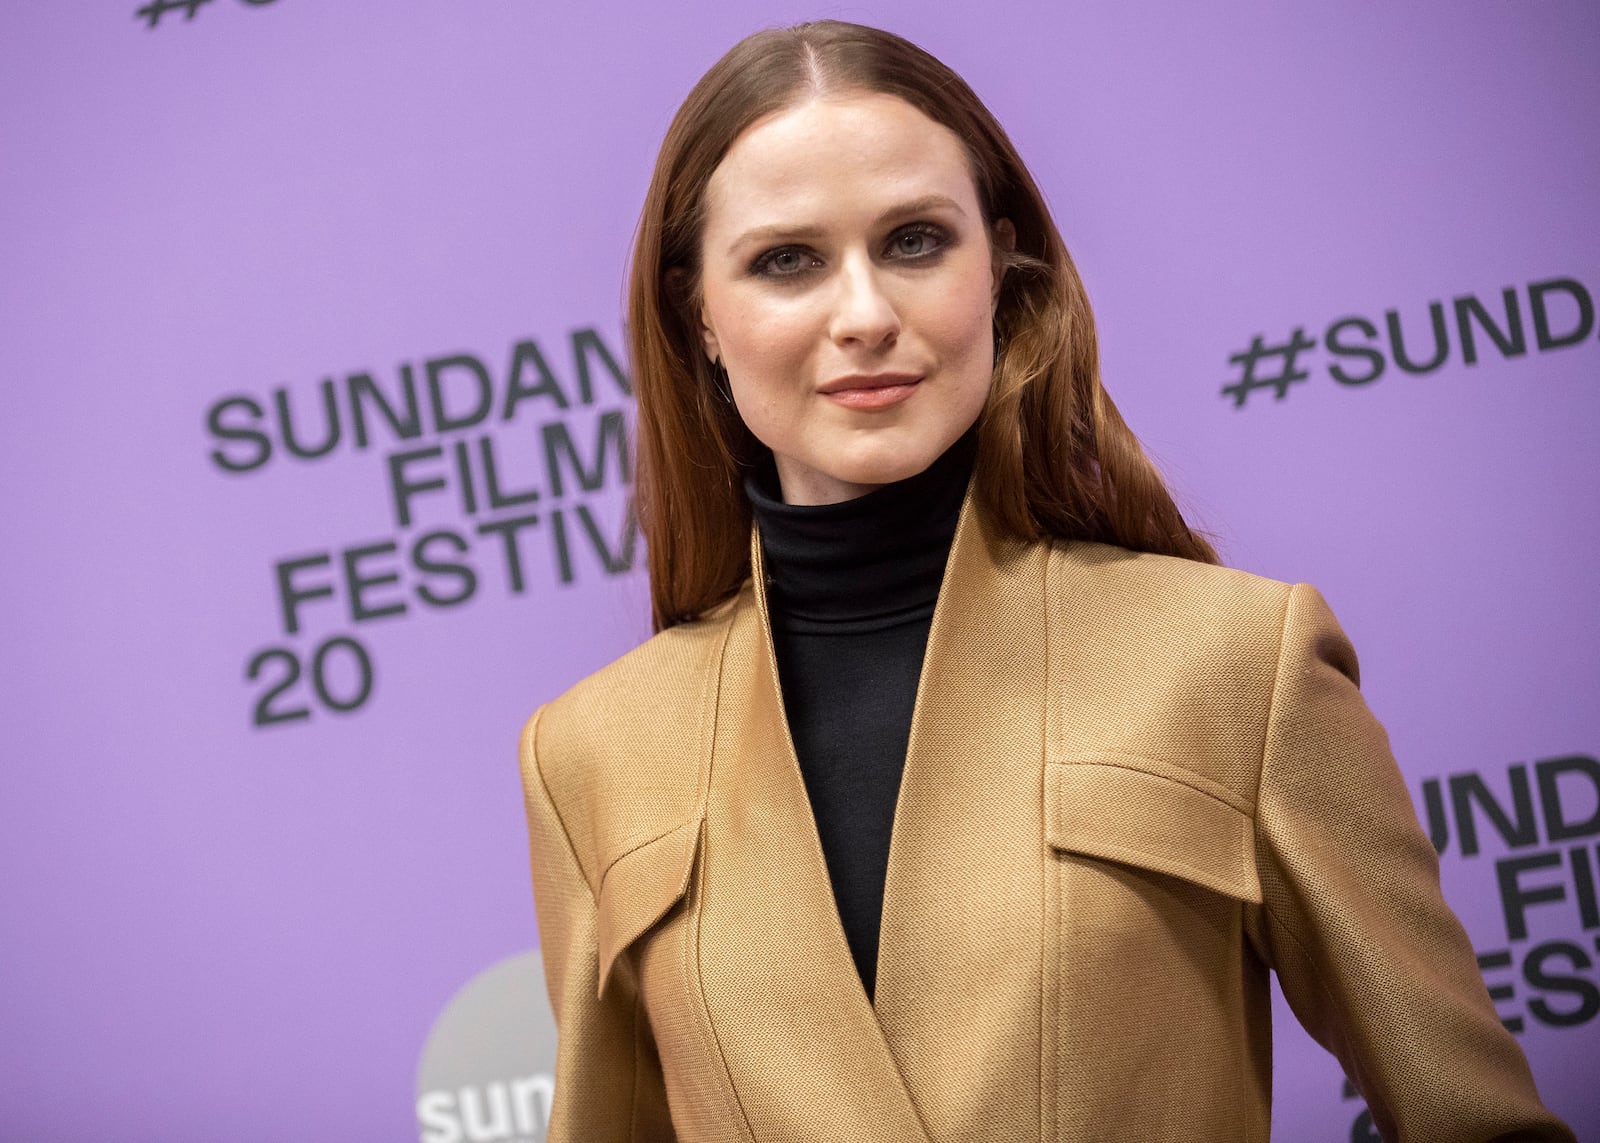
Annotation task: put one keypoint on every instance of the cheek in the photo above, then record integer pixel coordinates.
(959, 305)
(764, 341)
(962, 322)
(766, 347)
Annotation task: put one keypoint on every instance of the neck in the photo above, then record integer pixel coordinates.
(872, 561)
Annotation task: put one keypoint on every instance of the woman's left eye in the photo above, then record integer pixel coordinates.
(917, 241)
(783, 262)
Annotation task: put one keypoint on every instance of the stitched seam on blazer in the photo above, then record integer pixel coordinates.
(1266, 737)
(708, 1029)
(532, 735)
(702, 779)
(1049, 983)
(633, 1105)
(1281, 923)
(1272, 708)
(1322, 986)
(1232, 801)
(635, 847)
(691, 971)
(1261, 772)
(1241, 1021)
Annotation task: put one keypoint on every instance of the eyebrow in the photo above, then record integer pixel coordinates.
(898, 210)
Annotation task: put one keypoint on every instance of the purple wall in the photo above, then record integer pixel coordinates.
(215, 929)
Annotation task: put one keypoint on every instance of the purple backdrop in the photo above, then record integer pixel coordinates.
(217, 929)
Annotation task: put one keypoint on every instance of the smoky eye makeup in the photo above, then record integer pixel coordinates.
(782, 262)
(911, 242)
(933, 239)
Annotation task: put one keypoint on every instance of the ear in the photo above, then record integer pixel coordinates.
(1003, 241)
(708, 338)
(680, 295)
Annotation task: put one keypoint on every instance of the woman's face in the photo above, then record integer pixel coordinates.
(848, 285)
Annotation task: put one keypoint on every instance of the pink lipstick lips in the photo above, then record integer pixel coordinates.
(870, 391)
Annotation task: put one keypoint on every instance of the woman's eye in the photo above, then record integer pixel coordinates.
(917, 241)
(783, 262)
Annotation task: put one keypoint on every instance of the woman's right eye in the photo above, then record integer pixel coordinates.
(784, 262)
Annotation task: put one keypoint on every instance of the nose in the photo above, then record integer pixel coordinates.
(863, 314)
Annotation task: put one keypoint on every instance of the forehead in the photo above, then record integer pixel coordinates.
(822, 160)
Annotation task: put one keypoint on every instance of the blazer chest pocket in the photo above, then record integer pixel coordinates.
(1148, 972)
(1151, 816)
(1152, 866)
(639, 888)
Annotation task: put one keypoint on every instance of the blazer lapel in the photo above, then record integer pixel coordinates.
(791, 1018)
(958, 963)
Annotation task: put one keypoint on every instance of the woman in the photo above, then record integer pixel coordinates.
(823, 860)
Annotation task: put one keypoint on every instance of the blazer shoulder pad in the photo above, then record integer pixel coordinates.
(1164, 664)
(1168, 597)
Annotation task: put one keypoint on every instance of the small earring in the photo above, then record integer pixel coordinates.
(999, 341)
(720, 382)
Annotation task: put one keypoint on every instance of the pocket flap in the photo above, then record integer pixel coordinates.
(638, 889)
(1121, 812)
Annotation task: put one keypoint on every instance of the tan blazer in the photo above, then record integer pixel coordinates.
(1134, 785)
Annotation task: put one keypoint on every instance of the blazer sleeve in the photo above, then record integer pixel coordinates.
(1370, 957)
(608, 1081)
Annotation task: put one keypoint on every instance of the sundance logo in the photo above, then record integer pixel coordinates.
(486, 1074)
(515, 1111)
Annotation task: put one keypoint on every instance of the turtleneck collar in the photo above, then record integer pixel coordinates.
(864, 564)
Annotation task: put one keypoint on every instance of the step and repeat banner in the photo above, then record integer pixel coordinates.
(318, 448)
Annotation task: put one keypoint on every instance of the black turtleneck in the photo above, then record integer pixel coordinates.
(851, 589)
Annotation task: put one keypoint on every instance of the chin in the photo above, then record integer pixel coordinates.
(887, 464)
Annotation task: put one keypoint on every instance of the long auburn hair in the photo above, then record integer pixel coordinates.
(1055, 458)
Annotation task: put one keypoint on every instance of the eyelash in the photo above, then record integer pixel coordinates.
(762, 266)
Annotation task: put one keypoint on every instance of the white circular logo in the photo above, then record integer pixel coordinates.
(487, 1073)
